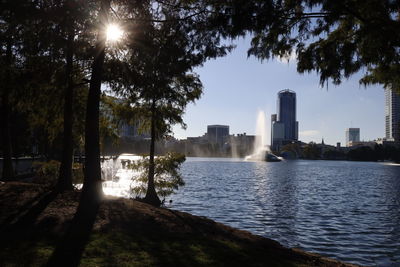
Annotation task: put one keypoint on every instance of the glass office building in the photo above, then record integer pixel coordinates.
(285, 128)
(217, 133)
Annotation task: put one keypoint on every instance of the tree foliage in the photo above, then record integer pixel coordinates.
(48, 172)
(164, 43)
(35, 75)
(334, 38)
(312, 151)
(167, 177)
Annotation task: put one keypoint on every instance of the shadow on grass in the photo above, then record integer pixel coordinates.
(23, 221)
(17, 213)
(140, 249)
(68, 251)
(33, 251)
(20, 242)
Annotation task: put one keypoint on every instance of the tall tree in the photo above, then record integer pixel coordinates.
(158, 75)
(12, 24)
(8, 169)
(65, 179)
(69, 250)
(74, 14)
(92, 188)
(50, 74)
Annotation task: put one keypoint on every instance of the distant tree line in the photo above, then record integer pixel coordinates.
(378, 153)
(362, 153)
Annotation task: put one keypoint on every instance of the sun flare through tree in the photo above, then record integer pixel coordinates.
(114, 33)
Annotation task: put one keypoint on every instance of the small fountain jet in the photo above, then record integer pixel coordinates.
(261, 151)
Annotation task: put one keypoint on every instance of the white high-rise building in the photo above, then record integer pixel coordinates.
(352, 135)
(392, 115)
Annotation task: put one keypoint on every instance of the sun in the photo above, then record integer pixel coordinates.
(114, 33)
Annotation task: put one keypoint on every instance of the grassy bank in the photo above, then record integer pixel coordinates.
(131, 233)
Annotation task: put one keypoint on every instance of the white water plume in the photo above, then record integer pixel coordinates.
(261, 132)
(117, 176)
(261, 146)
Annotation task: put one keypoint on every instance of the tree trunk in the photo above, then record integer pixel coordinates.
(8, 170)
(92, 188)
(65, 178)
(69, 251)
(151, 194)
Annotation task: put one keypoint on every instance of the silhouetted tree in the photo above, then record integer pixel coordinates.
(334, 155)
(158, 76)
(92, 189)
(65, 178)
(11, 25)
(76, 18)
(364, 153)
(40, 53)
(334, 38)
(311, 151)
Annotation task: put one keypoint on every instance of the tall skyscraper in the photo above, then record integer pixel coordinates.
(352, 135)
(284, 128)
(392, 115)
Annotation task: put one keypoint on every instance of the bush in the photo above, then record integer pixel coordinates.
(77, 173)
(47, 172)
(167, 177)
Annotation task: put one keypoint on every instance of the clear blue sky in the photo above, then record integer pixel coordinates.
(237, 87)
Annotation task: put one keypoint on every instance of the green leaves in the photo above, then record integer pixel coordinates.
(167, 177)
(334, 38)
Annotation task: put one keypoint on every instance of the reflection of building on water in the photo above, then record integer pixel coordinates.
(117, 176)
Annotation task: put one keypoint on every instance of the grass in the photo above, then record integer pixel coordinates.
(130, 233)
(133, 249)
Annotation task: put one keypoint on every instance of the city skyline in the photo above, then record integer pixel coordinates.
(237, 87)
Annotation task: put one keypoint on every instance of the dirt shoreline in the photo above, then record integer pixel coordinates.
(131, 233)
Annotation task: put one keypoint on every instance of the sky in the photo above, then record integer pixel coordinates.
(236, 88)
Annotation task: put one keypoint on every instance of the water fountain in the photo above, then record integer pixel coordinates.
(117, 176)
(261, 150)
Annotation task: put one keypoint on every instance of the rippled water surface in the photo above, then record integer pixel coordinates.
(346, 210)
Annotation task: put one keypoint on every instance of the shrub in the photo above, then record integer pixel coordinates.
(167, 177)
(47, 172)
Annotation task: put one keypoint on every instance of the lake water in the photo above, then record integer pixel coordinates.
(345, 210)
